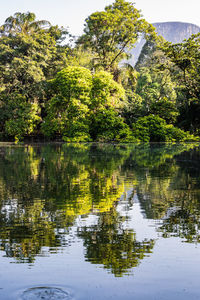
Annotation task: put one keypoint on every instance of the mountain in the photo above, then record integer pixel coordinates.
(174, 32)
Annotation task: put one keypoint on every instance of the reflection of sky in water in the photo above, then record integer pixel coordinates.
(144, 228)
(170, 270)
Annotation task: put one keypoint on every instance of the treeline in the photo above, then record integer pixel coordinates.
(84, 89)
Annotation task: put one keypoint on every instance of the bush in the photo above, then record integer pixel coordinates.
(23, 117)
(107, 125)
(155, 129)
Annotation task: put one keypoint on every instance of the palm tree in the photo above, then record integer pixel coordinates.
(23, 23)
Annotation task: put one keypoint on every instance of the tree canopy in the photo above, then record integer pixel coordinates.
(87, 90)
(23, 23)
(114, 31)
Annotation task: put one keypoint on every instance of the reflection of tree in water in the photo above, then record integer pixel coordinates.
(24, 231)
(183, 218)
(181, 223)
(117, 249)
(171, 192)
(154, 169)
(44, 189)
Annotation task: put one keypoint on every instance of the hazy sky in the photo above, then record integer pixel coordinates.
(72, 13)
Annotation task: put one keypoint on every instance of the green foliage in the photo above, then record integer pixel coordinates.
(185, 71)
(84, 107)
(181, 63)
(158, 94)
(186, 57)
(21, 117)
(67, 111)
(22, 23)
(105, 91)
(107, 125)
(110, 33)
(155, 129)
(73, 82)
(165, 109)
(86, 93)
(151, 54)
(29, 54)
(80, 57)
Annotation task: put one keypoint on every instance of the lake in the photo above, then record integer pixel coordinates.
(100, 221)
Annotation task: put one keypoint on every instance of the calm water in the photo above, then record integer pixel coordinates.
(99, 222)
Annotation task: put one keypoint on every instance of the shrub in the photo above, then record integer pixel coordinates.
(107, 125)
(155, 129)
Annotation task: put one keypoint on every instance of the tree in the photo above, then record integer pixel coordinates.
(156, 86)
(158, 93)
(107, 98)
(23, 23)
(112, 32)
(23, 117)
(151, 54)
(80, 57)
(186, 59)
(106, 93)
(29, 54)
(155, 129)
(85, 106)
(67, 110)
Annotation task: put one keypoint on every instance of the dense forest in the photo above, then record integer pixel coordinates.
(58, 87)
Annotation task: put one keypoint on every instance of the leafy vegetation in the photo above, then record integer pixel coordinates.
(155, 129)
(112, 32)
(87, 92)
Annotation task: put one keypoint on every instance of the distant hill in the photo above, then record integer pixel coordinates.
(174, 32)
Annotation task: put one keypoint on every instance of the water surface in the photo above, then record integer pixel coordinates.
(99, 221)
